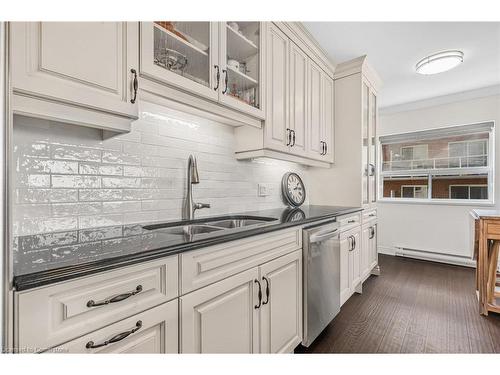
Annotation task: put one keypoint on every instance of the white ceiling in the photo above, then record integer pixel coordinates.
(393, 49)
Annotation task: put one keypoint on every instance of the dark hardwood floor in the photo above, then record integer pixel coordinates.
(412, 307)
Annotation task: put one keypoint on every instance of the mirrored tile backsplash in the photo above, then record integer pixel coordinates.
(67, 177)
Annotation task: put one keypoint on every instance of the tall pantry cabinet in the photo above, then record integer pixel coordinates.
(352, 181)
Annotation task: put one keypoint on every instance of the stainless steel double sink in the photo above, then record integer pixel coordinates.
(209, 225)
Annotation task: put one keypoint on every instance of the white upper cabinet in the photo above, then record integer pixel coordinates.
(315, 144)
(300, 98)
(327, 119)
(182, 54)
(242, 61)
(276, 129)
(369, 143)
(87, 65)
(321, 121)
(355, 112)
(221, 62)
(373, 168)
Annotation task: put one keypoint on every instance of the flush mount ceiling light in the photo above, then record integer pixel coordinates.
(439, 62)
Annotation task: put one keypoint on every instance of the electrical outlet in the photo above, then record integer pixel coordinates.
(264, 190)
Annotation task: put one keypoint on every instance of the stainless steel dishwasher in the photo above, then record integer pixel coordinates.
(321, 277)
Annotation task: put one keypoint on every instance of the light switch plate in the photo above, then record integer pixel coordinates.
(264, 190)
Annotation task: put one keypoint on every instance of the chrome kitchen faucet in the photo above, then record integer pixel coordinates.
(192, 178)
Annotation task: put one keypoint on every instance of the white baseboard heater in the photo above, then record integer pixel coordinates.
(435, 256)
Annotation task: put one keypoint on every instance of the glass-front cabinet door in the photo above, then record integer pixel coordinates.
(372, 178)
(242, 58)
(365, 108)
(183, 54)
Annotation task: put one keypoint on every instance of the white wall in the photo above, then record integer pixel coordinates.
(67, 177)
(432, 227)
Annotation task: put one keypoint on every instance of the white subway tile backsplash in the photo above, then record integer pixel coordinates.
(82, 208)
(75, 153)
(121, 158)
(121, 182)
(69, 177)
(100, 195)
(77, 181)
(115, 207)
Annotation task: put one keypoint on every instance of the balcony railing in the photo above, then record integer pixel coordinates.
(436, 163)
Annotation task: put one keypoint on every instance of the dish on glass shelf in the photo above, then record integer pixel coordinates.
(233, 64)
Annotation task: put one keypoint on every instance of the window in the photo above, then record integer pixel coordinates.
(468, 153)
(452, 163)
(468, 192)
(416, 152)
(414, 191)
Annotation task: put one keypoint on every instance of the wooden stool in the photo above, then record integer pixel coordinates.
(491, 293)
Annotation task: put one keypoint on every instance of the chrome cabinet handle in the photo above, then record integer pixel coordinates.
(115, 338)
(351, 221)
(288, 136)
(260, 295)
(322, 147)
(135, 85)
(267, 291)
(218, 77)
(114, 299)
(326, 148)
(353, 243)
(349, 239)
(372, 169)
(224, 71)
(293, 137)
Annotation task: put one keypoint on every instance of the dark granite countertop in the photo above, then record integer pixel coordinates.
(47, 258)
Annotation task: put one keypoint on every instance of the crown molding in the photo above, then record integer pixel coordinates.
(304, 39)
(358, 65)
(443, 99)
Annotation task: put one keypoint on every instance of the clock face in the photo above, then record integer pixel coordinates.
(293, 189)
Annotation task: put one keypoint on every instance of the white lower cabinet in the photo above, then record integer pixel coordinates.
(153, 331)
(258, 310)
(350, 263)
(222, 318)
(369, 254)
(242, 296)
(281, 310)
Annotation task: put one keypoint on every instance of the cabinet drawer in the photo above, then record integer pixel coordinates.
(493, 228)
(347, 222)
(206, 266)
(152, 331)
(369, 215)
(51, 315)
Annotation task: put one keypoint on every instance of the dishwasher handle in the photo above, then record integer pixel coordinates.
(323, 235)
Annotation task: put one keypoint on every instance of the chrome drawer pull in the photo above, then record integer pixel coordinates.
(116, 338)
(351, 221)
(114, 299)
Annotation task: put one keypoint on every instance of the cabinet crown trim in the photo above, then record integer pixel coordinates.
(358, 65)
